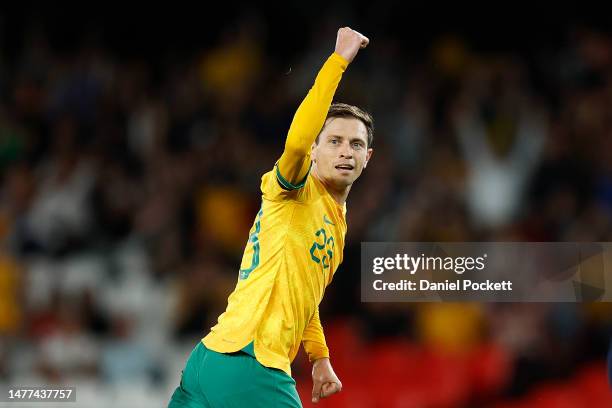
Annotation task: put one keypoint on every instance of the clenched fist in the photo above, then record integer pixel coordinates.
(349, 42)
(325, 382)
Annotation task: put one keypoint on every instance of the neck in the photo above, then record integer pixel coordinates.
(340, 195)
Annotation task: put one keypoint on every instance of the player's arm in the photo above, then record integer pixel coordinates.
(325, 382)
(313, 339)
(294, 164)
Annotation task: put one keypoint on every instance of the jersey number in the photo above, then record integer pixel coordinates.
(321, 243)
(254, 239)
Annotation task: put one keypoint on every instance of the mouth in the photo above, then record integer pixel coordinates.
(345, 167)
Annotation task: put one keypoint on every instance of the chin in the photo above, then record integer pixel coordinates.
(342, 183)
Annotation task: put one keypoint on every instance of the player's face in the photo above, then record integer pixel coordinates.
(342, 151)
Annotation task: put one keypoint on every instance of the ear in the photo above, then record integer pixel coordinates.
(368, 156)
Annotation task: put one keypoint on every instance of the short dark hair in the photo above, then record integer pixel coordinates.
(343, 110)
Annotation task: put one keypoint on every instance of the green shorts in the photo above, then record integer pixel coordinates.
(215, 380)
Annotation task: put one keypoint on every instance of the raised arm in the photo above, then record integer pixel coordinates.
(294, 164)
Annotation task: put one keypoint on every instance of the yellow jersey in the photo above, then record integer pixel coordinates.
(293, 250)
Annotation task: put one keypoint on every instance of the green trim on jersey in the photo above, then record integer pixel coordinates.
(286, 184)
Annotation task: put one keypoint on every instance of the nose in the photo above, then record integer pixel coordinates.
(346, 151)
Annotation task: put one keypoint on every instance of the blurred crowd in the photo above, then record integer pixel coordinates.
(128, 186)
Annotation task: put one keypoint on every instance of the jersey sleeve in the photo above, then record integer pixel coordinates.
(314, 339)
(293, 167)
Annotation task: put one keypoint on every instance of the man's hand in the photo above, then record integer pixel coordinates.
(348, 43)
(325, 381)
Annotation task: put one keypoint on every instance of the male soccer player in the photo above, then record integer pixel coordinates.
(293, 250)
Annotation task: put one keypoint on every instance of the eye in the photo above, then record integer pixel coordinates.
(334, 141)
(357, 145)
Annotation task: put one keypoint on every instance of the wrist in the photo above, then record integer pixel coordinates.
(341, 58)
(319, 361)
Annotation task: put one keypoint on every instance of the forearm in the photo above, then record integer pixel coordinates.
(314, 339)
(309, 120)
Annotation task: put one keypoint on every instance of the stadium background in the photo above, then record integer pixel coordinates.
(131, 147)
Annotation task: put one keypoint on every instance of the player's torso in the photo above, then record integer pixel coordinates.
(302, 239)
(294, 247)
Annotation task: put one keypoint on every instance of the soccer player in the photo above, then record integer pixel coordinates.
(293, 250)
